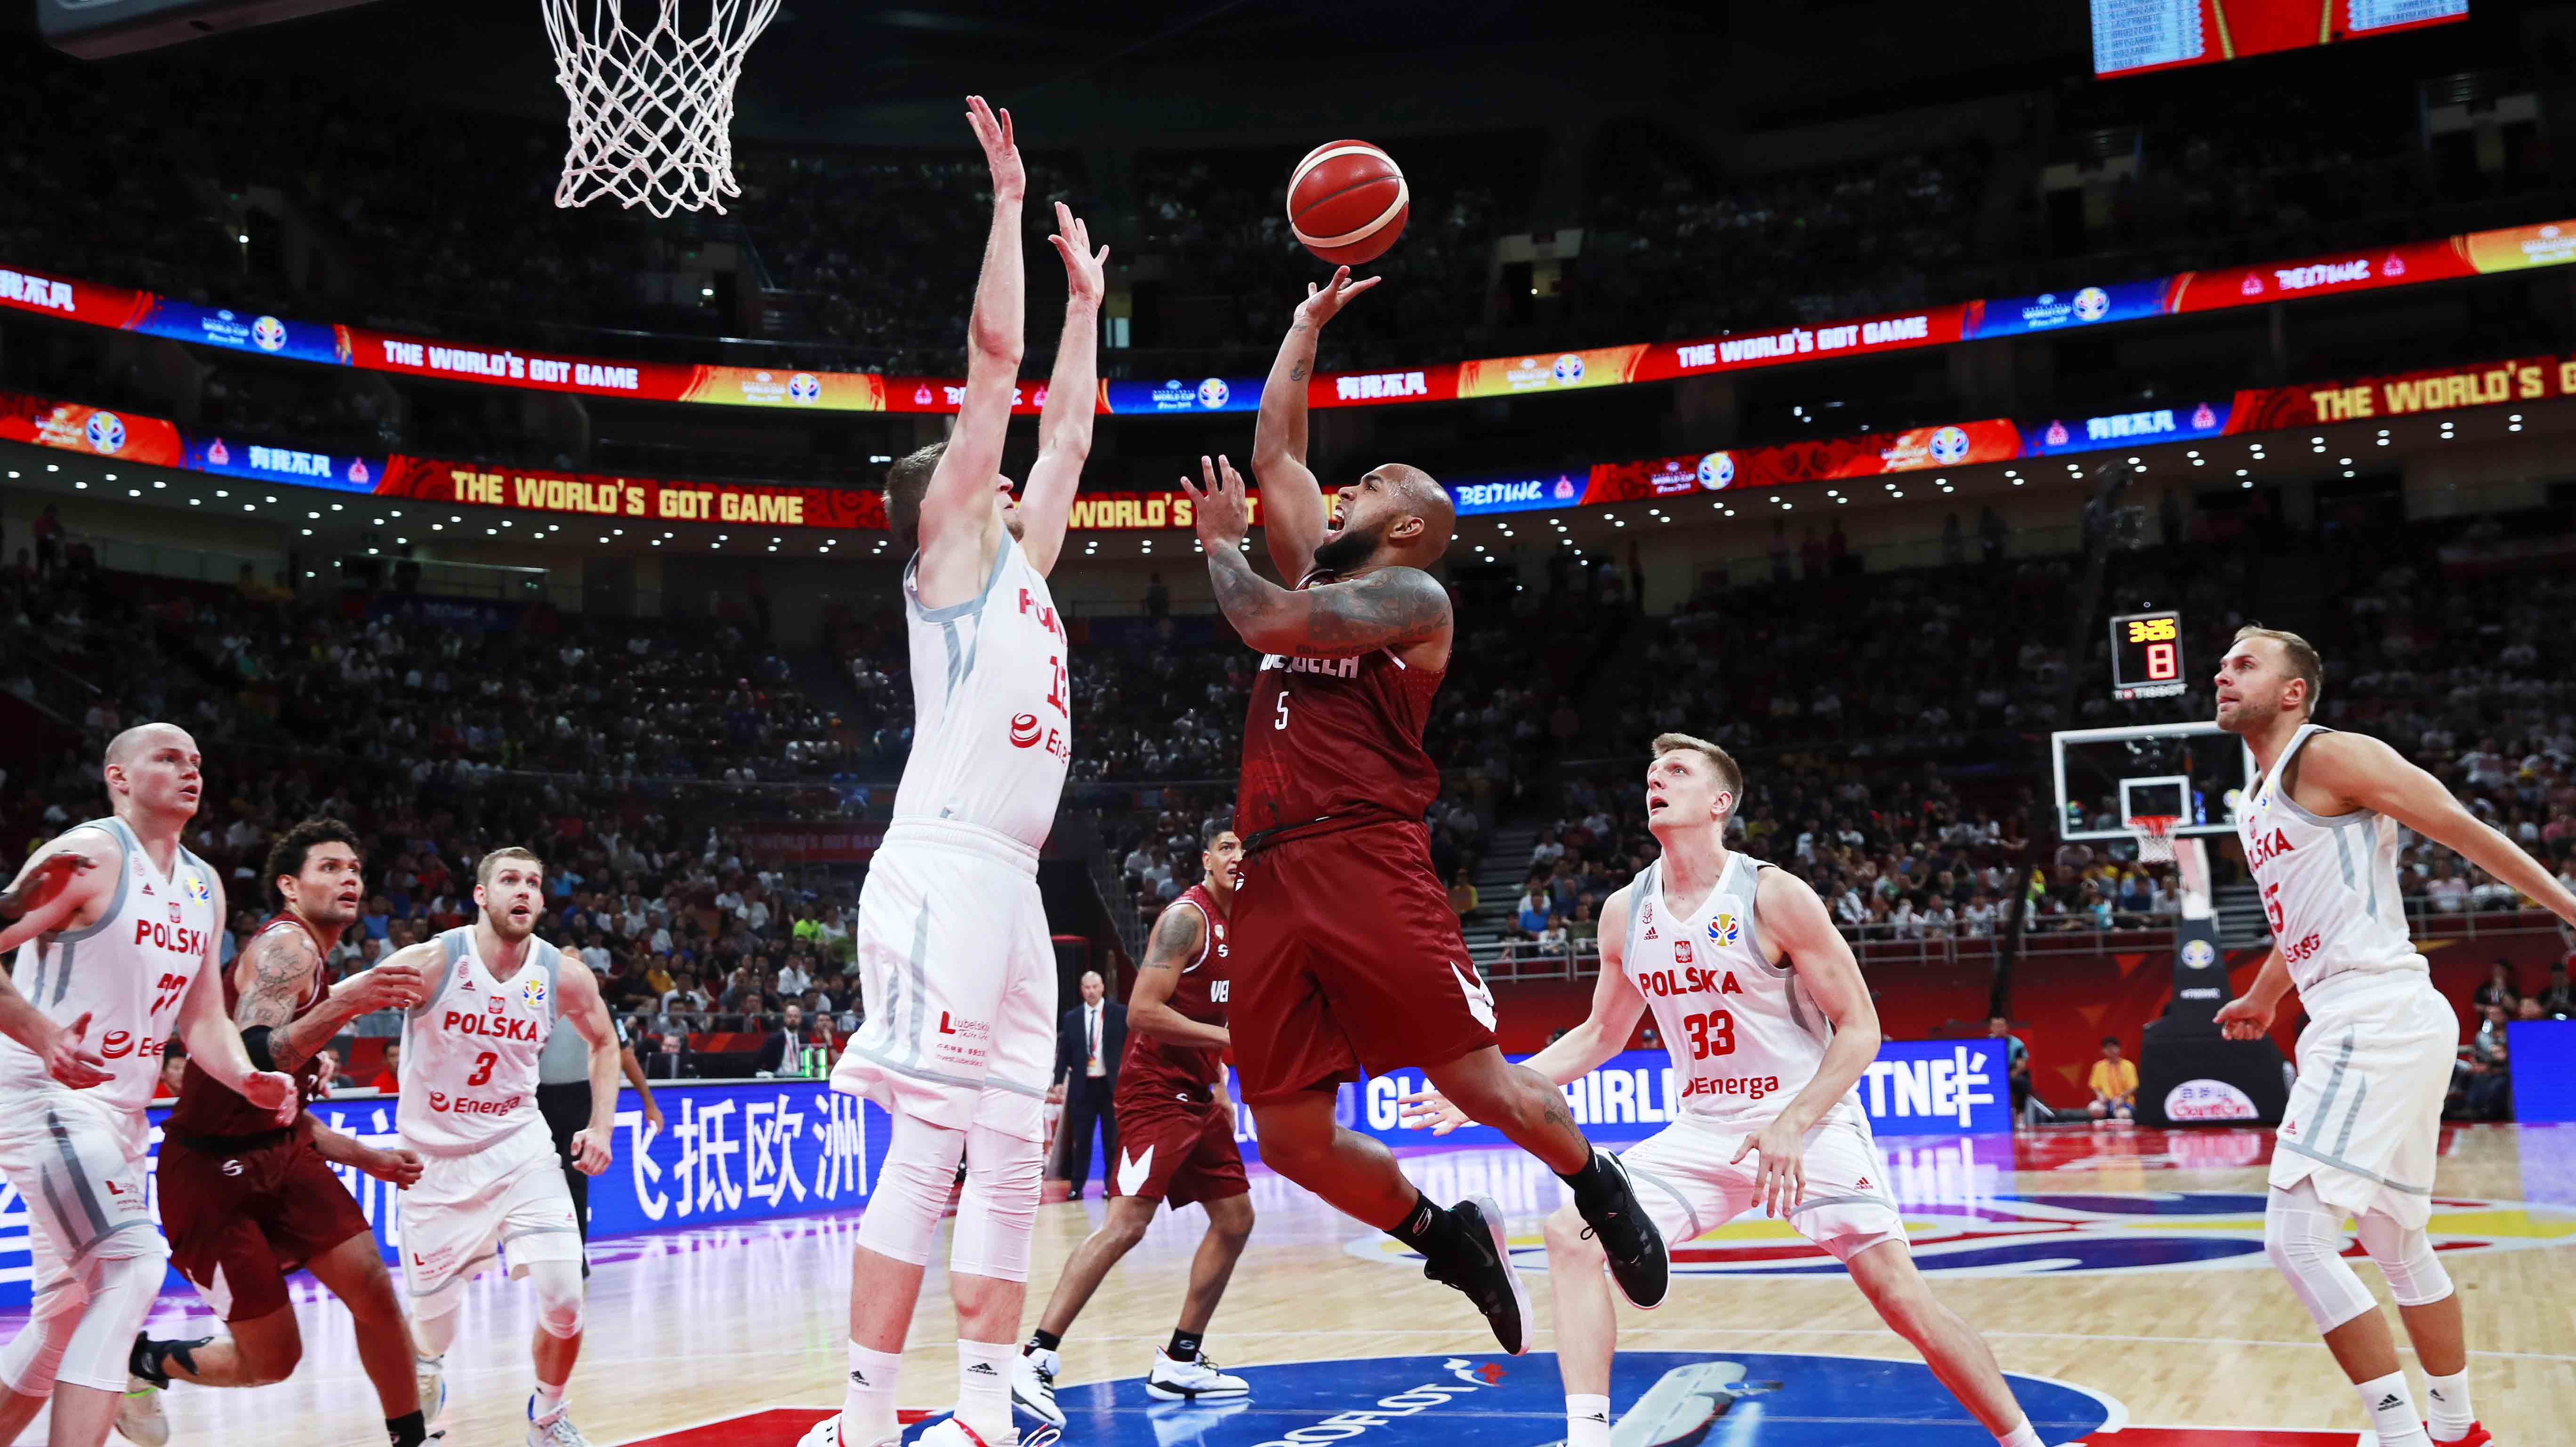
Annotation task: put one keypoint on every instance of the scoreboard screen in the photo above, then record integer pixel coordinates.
(2146, 655)
(2131, 36)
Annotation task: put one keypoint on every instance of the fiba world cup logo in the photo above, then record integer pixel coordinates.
(106, 432)
(804, 388)
(1949, 446)
(2092, 304)
(1214, 393)
(268, 334)
(1717, 471)
(1569, 370)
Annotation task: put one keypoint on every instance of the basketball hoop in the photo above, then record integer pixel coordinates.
(652, 113)
(2154, 833)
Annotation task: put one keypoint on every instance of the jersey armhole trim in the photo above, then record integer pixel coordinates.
(448, 950)
(2282, 774)
(912, 594)
(126, 844)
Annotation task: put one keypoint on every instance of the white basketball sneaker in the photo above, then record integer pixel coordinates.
(827, 1433)
(138, 1414)
(429, 1374)
(1174, 1380)
(554, 1429)
(1033, 1385)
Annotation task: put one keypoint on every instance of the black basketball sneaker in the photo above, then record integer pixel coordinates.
(1478, 1261)
(1639, 1262)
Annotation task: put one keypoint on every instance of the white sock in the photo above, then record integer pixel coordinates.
(2448, 1399)
(867, 1399)
(1587, 1420)
(984, 1387)
(2021, 1436)
(549, 1401)
(2392, 1411)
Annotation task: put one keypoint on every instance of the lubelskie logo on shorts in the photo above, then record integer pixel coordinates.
(963, 1029)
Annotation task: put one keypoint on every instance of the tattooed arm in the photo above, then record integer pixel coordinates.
(1177, 939)
(1292, 501)
(1393, 607)
(275, 972)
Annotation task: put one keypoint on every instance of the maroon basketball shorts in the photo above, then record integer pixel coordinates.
(1348, 960)
(239, 1222)
(1175, 1150)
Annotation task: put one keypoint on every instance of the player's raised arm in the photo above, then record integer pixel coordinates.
(957, 507)
(593, 1145)
(1387, 608)
(2369, 774)
(1073, 392)
(215, 1042)
(1177, 939)
(1292, 502)
(1795, 917)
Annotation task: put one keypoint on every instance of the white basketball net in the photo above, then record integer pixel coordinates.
(652, 113)
(2155, 838)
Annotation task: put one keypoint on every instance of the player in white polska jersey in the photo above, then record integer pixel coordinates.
(2365, 1118)
(956, 968)
(489, 1186)
(111, 959)
(1770, 1027)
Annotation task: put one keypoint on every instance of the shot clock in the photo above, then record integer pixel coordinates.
(2146, 655)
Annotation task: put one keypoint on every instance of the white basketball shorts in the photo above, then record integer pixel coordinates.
(505, 1201)
(79, 1164)
(1690, 1184)
(958, 976)
(2365, 1116)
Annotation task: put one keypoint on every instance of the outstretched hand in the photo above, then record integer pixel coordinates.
(37, 887)
(993, 133)
(1086, 275)
(1323, 302)
(1222, 513)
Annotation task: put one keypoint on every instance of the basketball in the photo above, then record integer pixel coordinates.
(1347, 202)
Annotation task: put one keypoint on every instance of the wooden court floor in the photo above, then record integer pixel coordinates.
(2124, 1265)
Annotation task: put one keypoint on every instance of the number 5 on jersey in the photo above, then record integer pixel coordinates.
(1281, 722)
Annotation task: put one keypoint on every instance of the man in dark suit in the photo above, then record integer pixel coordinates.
(1087, 1045)
(780, 1050)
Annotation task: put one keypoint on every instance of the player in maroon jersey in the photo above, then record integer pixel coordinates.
(244, 1200)
(1347, 955)
(1175, 1142)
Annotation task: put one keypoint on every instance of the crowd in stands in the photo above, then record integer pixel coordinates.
(441, 219)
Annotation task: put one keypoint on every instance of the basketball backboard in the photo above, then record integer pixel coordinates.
(2194, 771)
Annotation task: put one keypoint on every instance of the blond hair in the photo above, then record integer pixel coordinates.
(483, 866)
(2302, 656)
(1728, 770)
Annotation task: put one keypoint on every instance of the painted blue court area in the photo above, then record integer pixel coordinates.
(1673, 1399)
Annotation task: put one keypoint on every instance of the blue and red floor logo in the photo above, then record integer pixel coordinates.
(1661, 1399)
(2027, 1235)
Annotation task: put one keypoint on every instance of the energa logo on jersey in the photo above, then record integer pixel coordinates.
(1725, 929)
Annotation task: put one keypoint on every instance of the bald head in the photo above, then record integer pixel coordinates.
(152, 775)
(1422, 495)
(135, 742)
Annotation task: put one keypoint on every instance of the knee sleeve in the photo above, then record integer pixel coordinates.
(29, 1362)
(1000, 1209)
(433, 1323)
(2405, 1256)
(121, 1290)
(2304, 1238)
(559, 1297)
(912, 1190)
